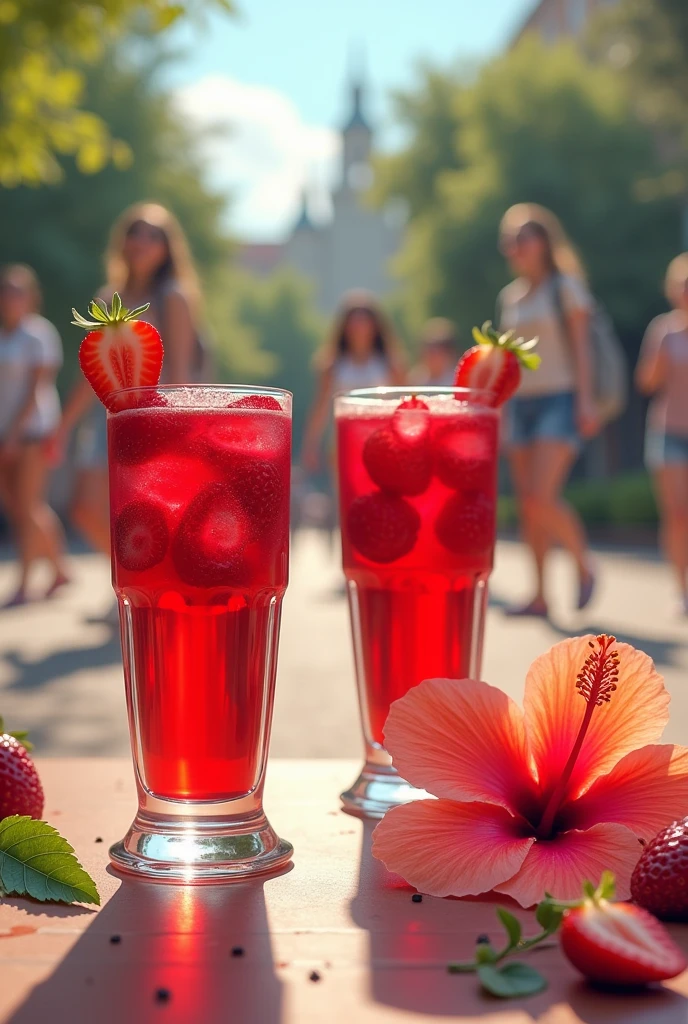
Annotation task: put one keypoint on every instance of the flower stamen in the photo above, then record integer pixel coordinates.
(595, 682)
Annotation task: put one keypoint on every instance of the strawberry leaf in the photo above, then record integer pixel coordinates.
(512, 926)
(530, 360)
(512, 980)
(36, 861)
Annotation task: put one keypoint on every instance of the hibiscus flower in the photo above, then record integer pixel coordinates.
(537, 800)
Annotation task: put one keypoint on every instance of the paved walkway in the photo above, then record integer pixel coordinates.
(60, 673)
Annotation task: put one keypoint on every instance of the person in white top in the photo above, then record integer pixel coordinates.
(362, 352)
(662, 373)
(30, 357)
(553, 410)
(147, 260)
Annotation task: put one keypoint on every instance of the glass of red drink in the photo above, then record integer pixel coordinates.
(418, 493)
(199, 502)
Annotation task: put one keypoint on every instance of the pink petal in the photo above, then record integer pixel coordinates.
(554, 709)
(560, 866)
(647, 790)
(463, 740)
(446, 848)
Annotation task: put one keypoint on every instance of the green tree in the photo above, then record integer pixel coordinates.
(43, 115)
(647, 44)
(538, 124)
(61, 229)
(271, 331)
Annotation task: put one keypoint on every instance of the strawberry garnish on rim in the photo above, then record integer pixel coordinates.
(119, 351)
(494, 363)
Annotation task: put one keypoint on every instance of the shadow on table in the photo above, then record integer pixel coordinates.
(173, 960)
(32, 675)
(410, 945)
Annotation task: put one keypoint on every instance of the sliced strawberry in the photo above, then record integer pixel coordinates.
(619, 944)
(466, 524)
(122, 352)
(207, 549)
(382, 527)
(257, 402)
(261, 488)
(660, 878)
(465, 454)
(494, 364)
(398, 456)
(141, 536)
(135, 438)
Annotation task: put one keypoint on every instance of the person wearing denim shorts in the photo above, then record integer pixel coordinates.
(662, 372)
(553, 410)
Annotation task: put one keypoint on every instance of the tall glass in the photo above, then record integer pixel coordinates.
(418, 492)
(199, 503)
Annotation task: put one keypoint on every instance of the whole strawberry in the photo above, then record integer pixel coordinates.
(660, 879)
(20, 788)
(494, 364)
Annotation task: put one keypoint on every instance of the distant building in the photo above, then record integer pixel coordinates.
(560, 19)
(354, 248)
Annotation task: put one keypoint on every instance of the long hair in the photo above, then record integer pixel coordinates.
(178, 265)
(384, 343)
(559, 249)
(23, 276)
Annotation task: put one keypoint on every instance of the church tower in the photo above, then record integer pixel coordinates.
(357, 144)
(354, 248)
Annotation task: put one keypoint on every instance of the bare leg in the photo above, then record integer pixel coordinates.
(671, 484)
(40, 530)
(90, 510)
(537, 539)
(552, 463)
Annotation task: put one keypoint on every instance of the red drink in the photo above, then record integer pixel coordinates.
(418, 487)
(200, 533)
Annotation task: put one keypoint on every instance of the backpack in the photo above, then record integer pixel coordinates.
(609, 363)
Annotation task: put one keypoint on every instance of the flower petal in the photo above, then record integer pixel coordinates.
(554, 710)
(463, 740)
(647, 790)
(446, 848)
(560, 866)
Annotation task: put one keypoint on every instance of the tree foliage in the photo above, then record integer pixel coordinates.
(43, 110)
(271, 331)
(539, 124)
(61, 229)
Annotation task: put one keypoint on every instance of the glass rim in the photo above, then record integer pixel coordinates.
(400, 390)
(234, 389)
(253, 389)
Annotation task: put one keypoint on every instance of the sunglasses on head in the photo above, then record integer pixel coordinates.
(148, 232)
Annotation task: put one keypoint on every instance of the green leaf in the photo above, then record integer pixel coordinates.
(36, 861)
(589, 890)
(512, 980)
(606, 890)
(512, 926)
(548, 916)
(531, 360)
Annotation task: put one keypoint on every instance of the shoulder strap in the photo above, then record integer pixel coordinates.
(558, 299)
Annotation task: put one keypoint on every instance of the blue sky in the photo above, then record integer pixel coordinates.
(275, 77)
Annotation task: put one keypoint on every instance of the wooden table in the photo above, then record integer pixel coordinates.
(377, 956)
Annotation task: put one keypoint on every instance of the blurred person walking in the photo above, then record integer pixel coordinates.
(30, 357)
(554, 409)
(362, 352)
(662, 372)
(147, 260)
(438, 355)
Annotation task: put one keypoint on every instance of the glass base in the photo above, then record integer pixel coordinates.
(201, 851)
(376, 790)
